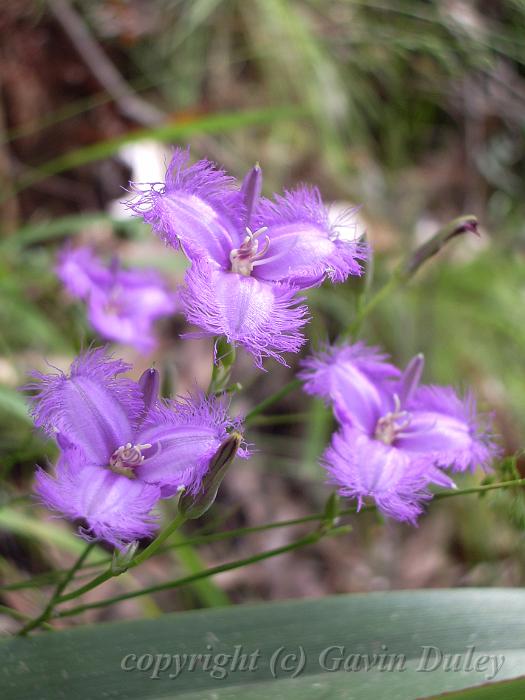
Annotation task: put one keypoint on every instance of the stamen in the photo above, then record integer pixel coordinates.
(243, 258)
(126, 458)
(388, 427)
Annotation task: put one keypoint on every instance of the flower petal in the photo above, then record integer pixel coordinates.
(127, 310)
(263, 318)
(304, 247)
(115, 508)
(184, 436)
(364, 468)
(196, 208)
(81, 271)
(448, 430)
(357, 379)
(93, 407)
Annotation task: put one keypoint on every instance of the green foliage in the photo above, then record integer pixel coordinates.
(86, 662)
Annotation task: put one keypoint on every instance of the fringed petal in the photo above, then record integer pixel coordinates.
(448, 430)
(265, 319)
(197, 208)
(362, 468)
(116, 509)
(356, 379)
(80, 271)
(184, 434)
(93, 407)
(304, 248)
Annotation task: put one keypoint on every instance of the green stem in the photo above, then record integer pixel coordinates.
(296, 544)
(254, 529)
(270, 400)
(152, 548)
(48, 611)
(395, 281)
(403, 273)
(138, 559)
(20, 616)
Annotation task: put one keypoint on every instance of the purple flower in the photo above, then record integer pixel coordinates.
(121, 448)
(396, 437)
(122, 304)
(249, 255)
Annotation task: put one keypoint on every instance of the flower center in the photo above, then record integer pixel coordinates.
(244, 258)
(126, 458)
(390, 426)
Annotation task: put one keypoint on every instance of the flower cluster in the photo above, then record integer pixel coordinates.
(250, 256)
(396, 437)
(121, 447)
(122, 304)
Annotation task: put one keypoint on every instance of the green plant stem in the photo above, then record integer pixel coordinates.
(149, 551)
(48, 610)
(255, 529)
(270, 400)
(296, 544)
(408, 267)
(395, 281)
(20, 616)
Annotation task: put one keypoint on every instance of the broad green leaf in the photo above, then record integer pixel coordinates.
(389, 631)
(505, 690)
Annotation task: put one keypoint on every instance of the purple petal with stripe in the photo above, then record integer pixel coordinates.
(93, 407)
(304, 247)
(265, 319)
(356, 379)
(115, 508)
(184, 435)
(197, 208)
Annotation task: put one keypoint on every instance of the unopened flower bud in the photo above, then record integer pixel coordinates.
(122, 557)
(464, 224)
(149, 383)
(251, 190)
(193, 506)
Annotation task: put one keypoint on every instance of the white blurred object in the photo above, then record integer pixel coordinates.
(148, 161)
(347, 220)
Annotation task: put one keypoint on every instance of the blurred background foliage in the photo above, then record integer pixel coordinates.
(415, 110)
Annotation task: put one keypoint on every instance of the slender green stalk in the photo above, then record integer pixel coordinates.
(405, 271)
(135, 561)
(270, 400)
(255, 529)
(308, 539)
(20, 616)
(152, 548)
(296, 544)
(48, 611)
(395, 281)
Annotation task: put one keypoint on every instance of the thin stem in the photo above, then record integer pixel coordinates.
(403, 273)
(48, 611)
(138, 559)
(150, 550)
(395, 281)
(270, 400)
(254, 529)
(20, 616)
(280, 419)
(296, 544)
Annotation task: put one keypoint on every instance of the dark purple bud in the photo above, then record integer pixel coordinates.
(149, 383)
(251, 190)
